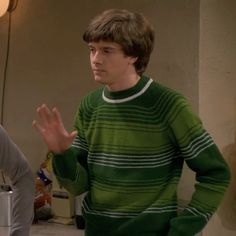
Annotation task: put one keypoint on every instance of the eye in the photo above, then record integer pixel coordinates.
(107, 50)
(92, 50)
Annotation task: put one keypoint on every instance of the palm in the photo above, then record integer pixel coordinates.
(52, 130)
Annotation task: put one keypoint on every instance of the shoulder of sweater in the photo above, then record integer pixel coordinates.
(162, 87)
(93, 94)
(91, 98)
(96, 92)
(161, 90)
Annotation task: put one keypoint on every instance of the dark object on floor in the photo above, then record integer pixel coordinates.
(43, 213)
(80, 222)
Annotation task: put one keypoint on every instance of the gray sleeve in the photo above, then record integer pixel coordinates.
(14, 164)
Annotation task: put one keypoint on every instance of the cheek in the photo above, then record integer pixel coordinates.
(90, 58)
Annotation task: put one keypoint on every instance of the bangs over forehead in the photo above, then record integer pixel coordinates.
(112, 25)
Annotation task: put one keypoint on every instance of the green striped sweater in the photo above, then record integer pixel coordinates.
(129, 155)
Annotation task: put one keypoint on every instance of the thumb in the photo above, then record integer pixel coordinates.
(73, 134)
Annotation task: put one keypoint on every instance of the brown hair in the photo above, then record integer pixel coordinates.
(130, 30)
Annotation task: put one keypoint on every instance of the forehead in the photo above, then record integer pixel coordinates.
(105, 44)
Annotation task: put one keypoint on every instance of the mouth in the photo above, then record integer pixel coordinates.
(98, 70)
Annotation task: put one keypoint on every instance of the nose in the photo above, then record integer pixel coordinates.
(96, 57)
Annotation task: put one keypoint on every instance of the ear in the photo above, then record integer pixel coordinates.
(132, 60)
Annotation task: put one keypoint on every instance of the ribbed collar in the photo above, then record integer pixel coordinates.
(127, 94)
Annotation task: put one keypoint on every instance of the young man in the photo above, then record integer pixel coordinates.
(131, 139)
(15, 166)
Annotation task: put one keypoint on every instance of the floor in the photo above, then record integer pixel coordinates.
(50, 229)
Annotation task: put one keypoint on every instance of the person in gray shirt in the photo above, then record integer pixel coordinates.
(14, 165)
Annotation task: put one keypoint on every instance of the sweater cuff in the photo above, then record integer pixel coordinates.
(65, 162)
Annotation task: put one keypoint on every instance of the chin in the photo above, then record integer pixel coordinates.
(99, 80)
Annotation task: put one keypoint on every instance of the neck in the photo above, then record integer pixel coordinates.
(124, 84)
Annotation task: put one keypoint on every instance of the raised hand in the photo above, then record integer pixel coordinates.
(51, 128)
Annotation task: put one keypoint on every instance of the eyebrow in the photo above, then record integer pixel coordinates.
(105, 47)
(109, 48)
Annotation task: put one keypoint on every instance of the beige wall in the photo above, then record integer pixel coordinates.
(217, 96)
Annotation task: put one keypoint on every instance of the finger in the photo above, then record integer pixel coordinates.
(44, 114)
(73, 134)
(38, 127)
(57, 116)
(42, 132)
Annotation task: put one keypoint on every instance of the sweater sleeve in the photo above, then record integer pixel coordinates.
(204, 158)
(69, 172)
(70, 167)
